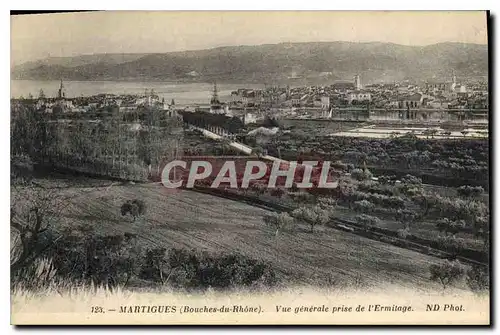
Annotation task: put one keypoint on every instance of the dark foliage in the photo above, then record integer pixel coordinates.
(199, 270)
(134, 207)
(477, 279)
(470, 191)
(79, 256)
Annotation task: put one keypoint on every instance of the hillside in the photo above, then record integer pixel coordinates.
(186, 219)
(272, 62)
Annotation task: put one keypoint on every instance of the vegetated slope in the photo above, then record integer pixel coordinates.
(76, 61)
(375, 61)
(188, 219)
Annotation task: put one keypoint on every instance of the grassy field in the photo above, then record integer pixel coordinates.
(188, 219)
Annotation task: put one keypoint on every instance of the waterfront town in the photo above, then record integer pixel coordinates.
(431, 101)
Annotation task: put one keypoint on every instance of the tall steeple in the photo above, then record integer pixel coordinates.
(215, 105)
(357, 81)
(60, 93)
(215, 96)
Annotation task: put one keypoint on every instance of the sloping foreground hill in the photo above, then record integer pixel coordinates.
(188, 219)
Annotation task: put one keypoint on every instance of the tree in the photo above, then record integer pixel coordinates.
(406, 217)
(361, 174)
(134, 207)
(34, 209)
(311, 215)
(446, 273)
(448, 226)
(426, 202)
(481, 229)
(327, 203)
(279, 221)
(404, 233)
(153, 264)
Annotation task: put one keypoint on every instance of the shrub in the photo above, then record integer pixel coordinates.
(141, 206)
(477, 279)
(412, 180)
(367, 221)
(153, 265)
(363, 206)
(258, 188)
(294, 187)
(107, 260)
(451, 244)
(134, 207)
(277, 192)
(470, 191)
(481, 229)
(83, 258)
(197, 270)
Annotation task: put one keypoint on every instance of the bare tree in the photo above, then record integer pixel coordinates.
(278, 221)
(447, 273)
(33, 208)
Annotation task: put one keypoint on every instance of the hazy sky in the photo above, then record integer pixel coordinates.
(39, 36)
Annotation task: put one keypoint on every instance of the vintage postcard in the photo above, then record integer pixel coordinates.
(250, 168)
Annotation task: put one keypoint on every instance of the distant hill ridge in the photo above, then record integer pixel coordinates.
(271, 62)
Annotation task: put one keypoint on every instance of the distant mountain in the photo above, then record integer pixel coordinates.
(272, 63)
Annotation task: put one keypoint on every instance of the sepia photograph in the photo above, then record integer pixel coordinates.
(250, 168)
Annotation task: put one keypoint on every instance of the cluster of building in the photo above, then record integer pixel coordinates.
(430, 100)
(100, 102)
(438, 95)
